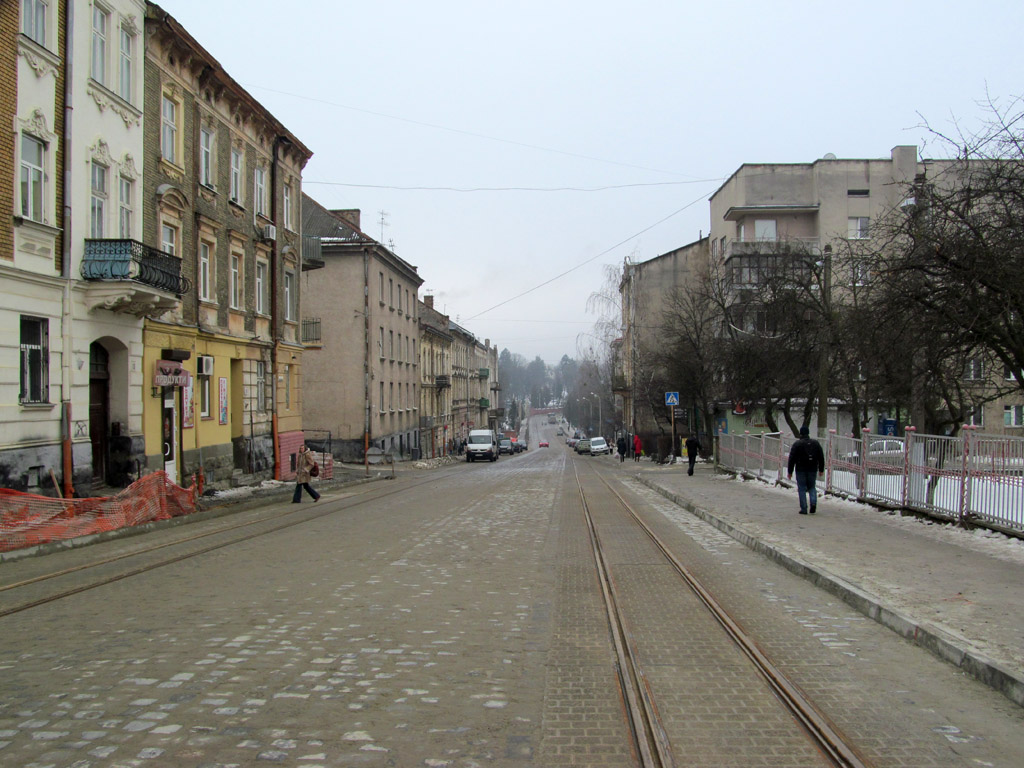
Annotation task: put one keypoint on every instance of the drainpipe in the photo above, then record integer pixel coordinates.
(65, 270)
(366, 359)
(275, 320)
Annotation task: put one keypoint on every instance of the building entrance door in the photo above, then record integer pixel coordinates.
(99, 411)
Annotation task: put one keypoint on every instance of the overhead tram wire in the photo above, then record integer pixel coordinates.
(508, 189)
(587, 261)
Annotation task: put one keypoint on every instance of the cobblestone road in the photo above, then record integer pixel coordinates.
(459, 624)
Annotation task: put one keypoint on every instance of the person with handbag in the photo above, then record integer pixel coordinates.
(306, 468)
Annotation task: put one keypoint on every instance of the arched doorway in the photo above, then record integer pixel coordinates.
(99, 410)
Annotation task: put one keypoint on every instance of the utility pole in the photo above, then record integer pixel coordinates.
(823, 362)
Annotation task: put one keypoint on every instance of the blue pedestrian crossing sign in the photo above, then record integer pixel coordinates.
(671, 398)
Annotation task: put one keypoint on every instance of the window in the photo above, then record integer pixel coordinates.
(261, 386)
(399, 299)
(236, 175)
(859, 273)
(204, 271)
(206, 157)
(381, 398)
(126, 215)
(291, 300)
(260, 200)
(100, 26)
(858, 193)
(975, 417)
(32, 153)
(381, 287)
(764, 229)
(1008, 373)
(125, 70)
(288, 387)
(399, 347)
(380, 342)
(391, 396)
(1013, 415)
(287, 206)
(33, 20)
(261, 287)
(391, 293)
(35, 360)
(236, 281)
(204, 397)
(98, 206)
(974, 369)
(858, 227)
(391, 344)
(168, 239)
(169, 129)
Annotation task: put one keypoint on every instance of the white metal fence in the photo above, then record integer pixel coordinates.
(971, 477)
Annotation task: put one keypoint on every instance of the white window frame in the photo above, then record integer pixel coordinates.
(34, 20)
(99, 183)
(169, 239)
(206, 157)
(205, 270)
(126, 64)
(236, 281)
(35, 361)
(287, 206)
(975, 417)
(858, 228)
(288, 387)
(260, 191)
(290, 299)
(169, 112)
(974, 369)
(100, 43)
(261, 287)
(204, 397)
(32, 184)
(1013, 415)
(237, 160)
(126, 207)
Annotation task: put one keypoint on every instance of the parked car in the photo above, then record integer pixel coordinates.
(571, 441)
(886, 451)
(561, 431)
(482, 444)
(505, 445)
(583, 446)
(599, 446)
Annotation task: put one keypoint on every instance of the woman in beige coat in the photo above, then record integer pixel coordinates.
(305, 463)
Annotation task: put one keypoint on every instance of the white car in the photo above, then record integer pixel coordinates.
(599, 445)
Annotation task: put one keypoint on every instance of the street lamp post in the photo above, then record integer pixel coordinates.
(826, 302)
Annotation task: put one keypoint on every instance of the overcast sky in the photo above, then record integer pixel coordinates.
(655, 101)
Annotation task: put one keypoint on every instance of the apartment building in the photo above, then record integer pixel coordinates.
(221, 192)
(437, 427)
(474, 383)
(362, 383)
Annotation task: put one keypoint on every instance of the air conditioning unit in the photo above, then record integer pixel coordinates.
(269, 232)
(205, 366)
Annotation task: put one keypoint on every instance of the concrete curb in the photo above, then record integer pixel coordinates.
(940, 643)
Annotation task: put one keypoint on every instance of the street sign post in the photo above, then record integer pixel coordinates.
(671, 401)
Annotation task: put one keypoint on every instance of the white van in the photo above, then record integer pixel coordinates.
(482, 444)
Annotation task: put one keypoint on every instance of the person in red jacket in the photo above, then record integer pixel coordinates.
(638, 447)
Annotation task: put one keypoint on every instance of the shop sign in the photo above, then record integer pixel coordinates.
(169, 373)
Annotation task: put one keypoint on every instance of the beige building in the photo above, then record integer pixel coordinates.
(474, 383)
(437, 432)
(362, 384)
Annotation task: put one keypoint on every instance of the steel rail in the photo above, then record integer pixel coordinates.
(823, 732)
(649, 737)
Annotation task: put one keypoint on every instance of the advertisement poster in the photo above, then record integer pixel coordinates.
(223, 400)
(188, 417)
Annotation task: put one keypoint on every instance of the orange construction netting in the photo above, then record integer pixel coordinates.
(27, 519)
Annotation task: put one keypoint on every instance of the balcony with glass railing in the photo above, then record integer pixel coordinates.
(131, 277)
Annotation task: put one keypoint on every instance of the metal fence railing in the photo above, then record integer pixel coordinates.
(968, 478)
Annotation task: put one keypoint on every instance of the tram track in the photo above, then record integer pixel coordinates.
(299, 516)
(652, 743)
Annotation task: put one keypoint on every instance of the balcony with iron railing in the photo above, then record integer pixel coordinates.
(312, 253)
(790, 245)
(442, 381)
(129, 276)
(311, 331)
(484, 403)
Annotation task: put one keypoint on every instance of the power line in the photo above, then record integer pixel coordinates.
(509, 189)
(587, 261)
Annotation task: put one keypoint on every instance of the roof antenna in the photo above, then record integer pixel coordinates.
(383, 223)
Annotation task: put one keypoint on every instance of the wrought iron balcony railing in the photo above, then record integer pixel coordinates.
(131, 260)
(311, 330)
(443, 380)
(485, 403)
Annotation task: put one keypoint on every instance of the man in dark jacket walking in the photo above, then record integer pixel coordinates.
(692, 449)
(807, 458)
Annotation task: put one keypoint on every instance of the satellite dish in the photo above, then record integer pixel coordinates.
(829, 156)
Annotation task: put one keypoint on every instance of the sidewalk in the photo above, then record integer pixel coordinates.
(958, 593)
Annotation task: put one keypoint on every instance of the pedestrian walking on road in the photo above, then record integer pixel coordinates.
(620, 446)
(692, 449)
(638, 447)
(303, 472)
(807, 458)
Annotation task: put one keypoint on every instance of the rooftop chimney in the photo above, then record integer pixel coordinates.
(428, 299)
(349, 215)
